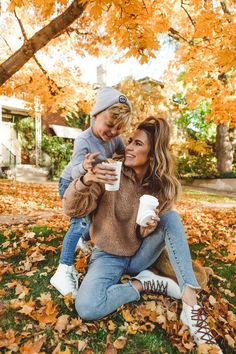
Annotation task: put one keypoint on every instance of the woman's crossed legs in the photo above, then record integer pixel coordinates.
(100, 293)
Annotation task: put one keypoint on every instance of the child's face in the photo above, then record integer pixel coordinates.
(104, 127)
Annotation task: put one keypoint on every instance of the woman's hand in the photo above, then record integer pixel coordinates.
(151, 225)
(100, 173)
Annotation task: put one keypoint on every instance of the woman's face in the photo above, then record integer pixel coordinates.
(137, 151)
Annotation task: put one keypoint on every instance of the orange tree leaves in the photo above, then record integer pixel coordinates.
(206, 32)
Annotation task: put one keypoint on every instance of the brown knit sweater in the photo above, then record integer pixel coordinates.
(113, 227)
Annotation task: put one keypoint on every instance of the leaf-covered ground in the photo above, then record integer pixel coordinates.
(34, 318)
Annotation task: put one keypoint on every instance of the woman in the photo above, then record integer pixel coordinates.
(121, 246)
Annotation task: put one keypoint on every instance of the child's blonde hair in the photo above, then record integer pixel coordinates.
(120, 113)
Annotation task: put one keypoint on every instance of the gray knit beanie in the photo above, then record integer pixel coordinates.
(106, 97)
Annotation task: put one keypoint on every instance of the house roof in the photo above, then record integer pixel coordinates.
(65, 132)
(13, 105)
(148, 80)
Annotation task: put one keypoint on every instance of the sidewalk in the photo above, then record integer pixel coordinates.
(230, 201)
(210, 191)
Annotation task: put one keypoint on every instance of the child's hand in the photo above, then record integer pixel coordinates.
(89, 161)
(101, 174)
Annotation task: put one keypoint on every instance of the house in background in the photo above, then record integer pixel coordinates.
(10, 149)
(12, 164)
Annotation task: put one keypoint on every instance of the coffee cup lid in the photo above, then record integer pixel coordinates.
(149, 199)
(146, 217)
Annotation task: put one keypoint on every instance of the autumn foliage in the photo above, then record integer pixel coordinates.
(205, 33)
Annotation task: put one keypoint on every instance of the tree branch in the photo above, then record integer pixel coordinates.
(8, 45)
(190, 18)
(224, 7)
(176, 35)
(226, 10)
(51, 82)
(39, 40)
(21, 27)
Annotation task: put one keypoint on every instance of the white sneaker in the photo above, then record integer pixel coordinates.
(153, 283)
(195, 318)
(83, 245)
(66, 280)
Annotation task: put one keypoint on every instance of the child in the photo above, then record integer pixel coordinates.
(111, 113)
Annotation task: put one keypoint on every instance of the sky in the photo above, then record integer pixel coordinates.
(131, 67)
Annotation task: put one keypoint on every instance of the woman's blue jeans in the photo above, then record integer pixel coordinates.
(79, 227)
(101, 293)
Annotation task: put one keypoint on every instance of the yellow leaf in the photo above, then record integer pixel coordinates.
(127, 316)
(230, 341)
(212, 300)
(120, 342)
(111, 326)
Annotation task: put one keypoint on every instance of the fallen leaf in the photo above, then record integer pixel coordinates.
(57, 350)
(44, 298)
(2, 309)
(81, 345)
(109, 348)
(7, 338)
(127, 316)
(75, 322)
(120, 342)
(111, 326)
(230, 341)
(32, 347)
(212, 300)
(61, 323)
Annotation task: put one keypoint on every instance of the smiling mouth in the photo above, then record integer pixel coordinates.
(129, 156)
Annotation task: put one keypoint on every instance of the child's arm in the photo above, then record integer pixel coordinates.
(79, 152)
(82, 160)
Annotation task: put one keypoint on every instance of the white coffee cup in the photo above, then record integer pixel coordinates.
(116, 185)
(147, 206)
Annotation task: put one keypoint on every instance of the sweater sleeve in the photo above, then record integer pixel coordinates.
(79, 152)
(80, 200)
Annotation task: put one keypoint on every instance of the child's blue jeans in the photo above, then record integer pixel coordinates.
(79, 227)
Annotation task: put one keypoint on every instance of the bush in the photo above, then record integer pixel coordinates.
(230, 174)
(59, 151)
(195, 166)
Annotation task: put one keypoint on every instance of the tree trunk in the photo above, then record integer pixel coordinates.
(224, 149)
(15, 62)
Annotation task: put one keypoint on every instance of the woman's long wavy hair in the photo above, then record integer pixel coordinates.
(160, 175)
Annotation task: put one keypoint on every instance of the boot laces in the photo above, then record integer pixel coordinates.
(203, 329)
(153, 286)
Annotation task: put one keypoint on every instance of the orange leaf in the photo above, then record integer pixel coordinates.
(109, 348)
(120, 342)
(32, 347)
(61, 323)
(7, 338)
(127, 316)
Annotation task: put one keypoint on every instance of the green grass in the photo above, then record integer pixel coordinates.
(206, 196)
(38, 283)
